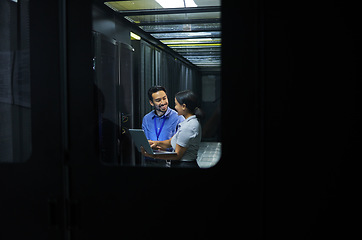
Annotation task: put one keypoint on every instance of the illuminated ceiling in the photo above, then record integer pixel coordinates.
(192, 28)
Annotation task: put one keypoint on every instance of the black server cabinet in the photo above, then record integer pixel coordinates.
(105, 82)
(113, 84)
(126, 103)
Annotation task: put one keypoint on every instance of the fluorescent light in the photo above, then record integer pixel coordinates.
(190, 3)
(191, 34)
(176, 3)
(135, 36)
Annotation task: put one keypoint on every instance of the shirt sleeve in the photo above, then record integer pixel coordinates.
(144, 127)
(186, 136)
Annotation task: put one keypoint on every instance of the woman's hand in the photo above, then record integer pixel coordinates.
(144, 153)
(154, 144)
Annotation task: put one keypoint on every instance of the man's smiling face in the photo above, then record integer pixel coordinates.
(159, 102)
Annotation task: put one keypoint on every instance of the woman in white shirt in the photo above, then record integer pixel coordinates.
(187, 139)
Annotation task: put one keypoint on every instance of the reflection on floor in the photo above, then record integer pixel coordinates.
(209, 154)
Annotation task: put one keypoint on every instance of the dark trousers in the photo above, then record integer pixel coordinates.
(149, 162)
(184, 164)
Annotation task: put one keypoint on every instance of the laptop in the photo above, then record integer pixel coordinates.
(139, 138)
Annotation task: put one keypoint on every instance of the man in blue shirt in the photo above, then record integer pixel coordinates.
(161, 123)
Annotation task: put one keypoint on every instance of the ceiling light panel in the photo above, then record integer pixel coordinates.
(182, 27)
(172, 17)
(190, 41)
(179, 35)
(176, 3)
(157, 4)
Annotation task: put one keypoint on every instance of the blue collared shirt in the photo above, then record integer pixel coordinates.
(169, 127)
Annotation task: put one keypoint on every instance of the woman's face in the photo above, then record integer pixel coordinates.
(180, 108)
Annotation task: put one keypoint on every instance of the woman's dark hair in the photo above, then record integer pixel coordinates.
(155, 89)
(190, 99)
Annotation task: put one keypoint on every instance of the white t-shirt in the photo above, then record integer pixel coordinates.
(188, 135)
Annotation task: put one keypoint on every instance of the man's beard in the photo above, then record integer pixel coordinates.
(162, 108)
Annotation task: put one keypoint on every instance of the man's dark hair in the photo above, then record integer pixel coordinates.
(154, 89)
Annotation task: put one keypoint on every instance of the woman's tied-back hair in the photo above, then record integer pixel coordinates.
(190, 99)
